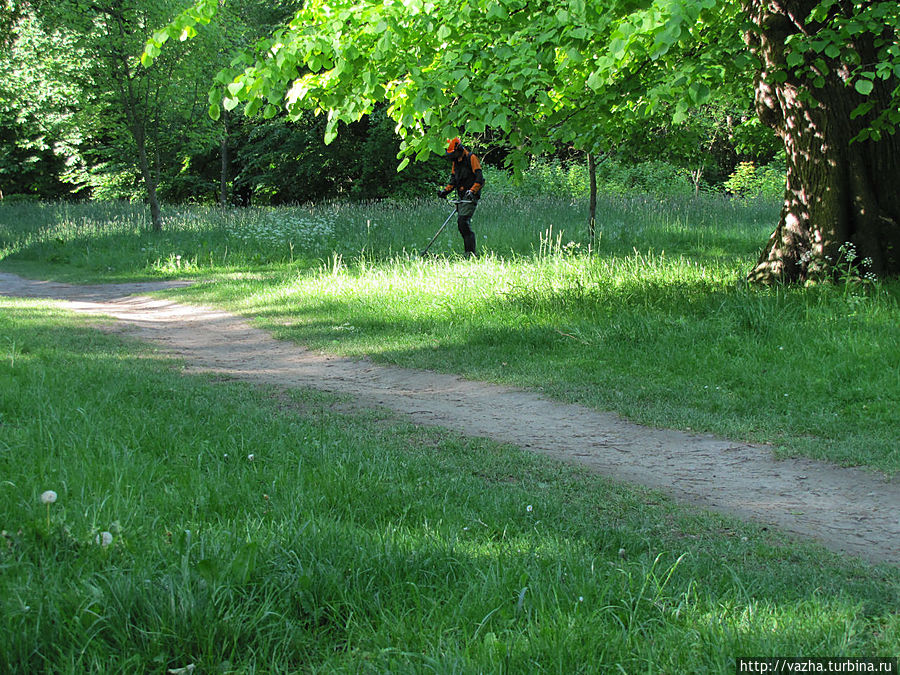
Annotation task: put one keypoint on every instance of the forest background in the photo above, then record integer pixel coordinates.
(80, 119)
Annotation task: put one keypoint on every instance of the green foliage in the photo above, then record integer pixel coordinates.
(748, 180)
(513, 66)
(280, 162)
(39, 102)
(861, 40)
(570, 179)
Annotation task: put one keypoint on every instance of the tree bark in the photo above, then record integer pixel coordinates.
(149, 182)
(839, 192)
(226, 163)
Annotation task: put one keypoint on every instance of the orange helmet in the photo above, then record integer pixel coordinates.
(454, 146)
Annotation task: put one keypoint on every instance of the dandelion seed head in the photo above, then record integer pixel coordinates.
(251, 456)
(104, 539)
(48, 497)
(529, 508)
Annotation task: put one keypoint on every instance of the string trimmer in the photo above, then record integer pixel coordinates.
(438, 233)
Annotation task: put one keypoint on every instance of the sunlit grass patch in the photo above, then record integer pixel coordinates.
(665, 340)
(261, 529)
(652, 319)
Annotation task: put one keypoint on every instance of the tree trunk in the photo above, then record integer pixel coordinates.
(226, 160)
(839, 193)
(592, 204)
(136, 109)
(149, 182)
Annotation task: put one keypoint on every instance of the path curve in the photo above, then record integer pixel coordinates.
(847, 510)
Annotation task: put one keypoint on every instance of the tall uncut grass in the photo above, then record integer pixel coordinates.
(111, 239)
(653, 320)
(226, 528)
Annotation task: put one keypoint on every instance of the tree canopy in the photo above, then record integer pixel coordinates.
(543, 72)
(537, 70)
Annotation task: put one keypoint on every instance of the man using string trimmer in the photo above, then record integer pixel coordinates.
(467, 179)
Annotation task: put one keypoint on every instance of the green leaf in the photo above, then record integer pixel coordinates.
(861, 109)
(215, 112)
(331, 131)
(253, 107)
(230, 103)
(244, 563)
(794, 59)
(699, 93)
(864, 87)
(208, 569)
(595, 81)
(496, 12)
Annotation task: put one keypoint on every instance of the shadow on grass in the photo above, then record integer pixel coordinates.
(766, 365)
(346, 535)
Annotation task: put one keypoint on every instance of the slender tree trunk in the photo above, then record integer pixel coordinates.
(149, 181)
(226, 159)
(137, 112)
(697, 176)
(592, 204)
(838, 192)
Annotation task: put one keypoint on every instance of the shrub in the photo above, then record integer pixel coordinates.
(751, 181)
(557, 179)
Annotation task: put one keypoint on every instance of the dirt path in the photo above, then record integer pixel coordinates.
(847, 510)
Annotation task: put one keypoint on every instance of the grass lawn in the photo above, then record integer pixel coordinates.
(251, 529)
(653, 322)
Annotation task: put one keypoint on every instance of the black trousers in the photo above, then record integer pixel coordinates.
(464, 223)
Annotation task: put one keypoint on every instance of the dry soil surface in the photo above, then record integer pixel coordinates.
(848, 510)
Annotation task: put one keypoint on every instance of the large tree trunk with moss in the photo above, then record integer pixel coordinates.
(839, 192)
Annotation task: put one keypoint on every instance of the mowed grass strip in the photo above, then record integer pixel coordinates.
(263, 530)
